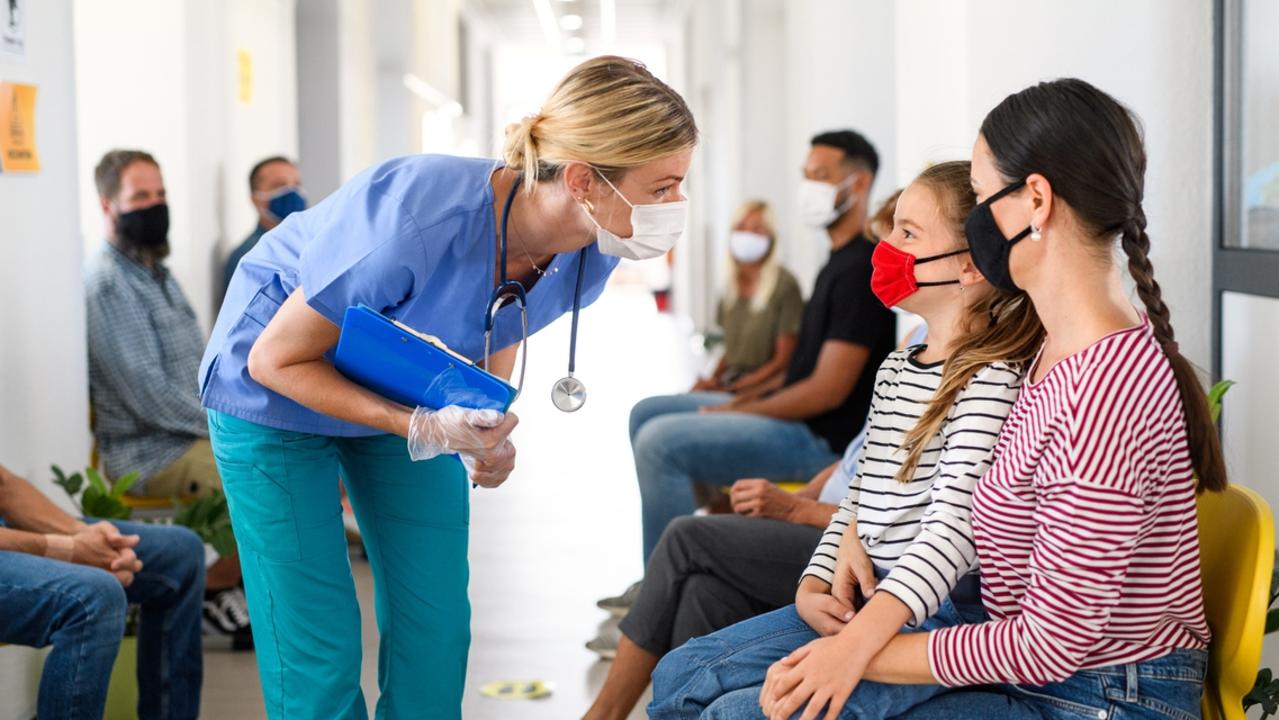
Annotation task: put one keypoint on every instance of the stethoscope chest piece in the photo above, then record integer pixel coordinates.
(568, 394)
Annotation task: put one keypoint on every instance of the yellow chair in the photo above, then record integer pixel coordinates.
(1237, 553)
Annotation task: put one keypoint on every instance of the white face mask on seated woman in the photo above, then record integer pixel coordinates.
(748, 247)
(655, 228)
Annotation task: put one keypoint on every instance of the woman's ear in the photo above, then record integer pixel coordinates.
(969, 275)
(1041, 198)
(579, 180)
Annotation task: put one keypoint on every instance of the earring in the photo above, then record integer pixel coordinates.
(590, 207)
(1035, 234)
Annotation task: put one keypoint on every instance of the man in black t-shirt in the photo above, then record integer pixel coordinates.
(802, 426)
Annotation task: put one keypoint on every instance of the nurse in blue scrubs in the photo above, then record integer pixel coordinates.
(594, 176)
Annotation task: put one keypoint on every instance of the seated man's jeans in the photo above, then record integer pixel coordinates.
(80, 611)
(676, 445)
(720, 676)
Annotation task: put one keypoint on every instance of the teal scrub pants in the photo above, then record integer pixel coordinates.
(282, 489)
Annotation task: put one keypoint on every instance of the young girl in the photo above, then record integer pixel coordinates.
(1085, 523)
(936, 413)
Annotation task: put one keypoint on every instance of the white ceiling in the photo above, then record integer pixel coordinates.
(637, 20)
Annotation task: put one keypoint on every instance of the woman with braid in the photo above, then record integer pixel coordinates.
(1085, 523)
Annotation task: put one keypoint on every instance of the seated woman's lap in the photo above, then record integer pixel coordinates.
(719, 671)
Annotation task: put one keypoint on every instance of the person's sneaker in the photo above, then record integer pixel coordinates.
(605, 646)
(620, 605)
(226, 615)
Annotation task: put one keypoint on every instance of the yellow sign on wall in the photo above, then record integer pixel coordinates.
(244, 73)
(18, 128)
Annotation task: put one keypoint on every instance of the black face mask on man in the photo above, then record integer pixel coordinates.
(989, 248)
(145, 228)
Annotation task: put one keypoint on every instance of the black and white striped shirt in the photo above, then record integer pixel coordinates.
(920, 531)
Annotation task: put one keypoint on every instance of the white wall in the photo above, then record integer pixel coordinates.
(763, 77)
(43, 375)
(187, 111)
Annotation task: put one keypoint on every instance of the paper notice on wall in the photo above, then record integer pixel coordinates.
(13, 27)
(244, 75)
(18, 128)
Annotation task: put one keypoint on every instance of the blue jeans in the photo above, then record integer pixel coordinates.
(719, 676)
(675, 446)
(282, 490)
(1167, 688)
(80, 611)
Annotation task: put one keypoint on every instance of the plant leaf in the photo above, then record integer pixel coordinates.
(121, 486)
(96, 481)
(1215, 396)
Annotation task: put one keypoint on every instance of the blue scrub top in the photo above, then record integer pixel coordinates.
(414, 238)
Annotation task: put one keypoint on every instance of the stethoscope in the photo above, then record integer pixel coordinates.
(568, 394)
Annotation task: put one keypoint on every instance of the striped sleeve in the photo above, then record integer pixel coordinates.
(943, 552)
(1083, 546)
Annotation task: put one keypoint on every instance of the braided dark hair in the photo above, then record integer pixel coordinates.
(1090, 148)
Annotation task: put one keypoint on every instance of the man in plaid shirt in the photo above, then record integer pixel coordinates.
(144, 355)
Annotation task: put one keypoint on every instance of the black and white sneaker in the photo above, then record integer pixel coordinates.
(226, 615)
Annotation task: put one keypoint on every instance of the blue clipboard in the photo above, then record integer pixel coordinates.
(411, 368)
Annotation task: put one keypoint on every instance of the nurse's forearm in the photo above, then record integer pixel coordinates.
(319, 386)
(288, 357)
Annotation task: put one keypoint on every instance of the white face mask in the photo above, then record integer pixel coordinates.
(816, 202)
(748, 247)
(655, 229)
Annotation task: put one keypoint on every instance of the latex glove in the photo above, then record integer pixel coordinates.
(490, 469)
(456, 429)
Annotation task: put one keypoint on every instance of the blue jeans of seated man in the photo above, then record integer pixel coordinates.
(1166, 688)
(282, 490)
(80, 611)
(675, 446)
(719, 676)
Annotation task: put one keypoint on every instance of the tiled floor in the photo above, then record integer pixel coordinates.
(562, 532)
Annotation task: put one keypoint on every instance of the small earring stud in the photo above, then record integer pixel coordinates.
(1035, 234)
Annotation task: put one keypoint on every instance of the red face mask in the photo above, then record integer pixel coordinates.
(893, 279)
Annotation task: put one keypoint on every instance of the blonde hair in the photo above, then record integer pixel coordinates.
(608, 112)
(998, 328)
(770, 272)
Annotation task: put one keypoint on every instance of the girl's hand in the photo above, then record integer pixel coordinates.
(821, 675)
(824, 613)
(854, 572)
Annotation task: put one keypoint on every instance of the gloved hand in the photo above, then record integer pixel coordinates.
(490, 468)
(460, 430)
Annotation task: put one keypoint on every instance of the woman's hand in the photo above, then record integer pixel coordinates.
(760, 498)
(460, 430)
(706, 385)
(489, 469)
(823, 612)
(854, 572)
(821, 675)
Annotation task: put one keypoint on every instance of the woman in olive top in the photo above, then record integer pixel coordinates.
(760, 310)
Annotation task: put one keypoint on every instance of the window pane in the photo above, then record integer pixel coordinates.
(1259, 120)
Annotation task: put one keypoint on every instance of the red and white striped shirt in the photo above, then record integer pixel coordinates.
(1085, 525)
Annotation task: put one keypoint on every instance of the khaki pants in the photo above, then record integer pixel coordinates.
(195, 474)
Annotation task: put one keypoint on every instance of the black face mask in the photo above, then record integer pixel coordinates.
(989, 247)
(145, 228)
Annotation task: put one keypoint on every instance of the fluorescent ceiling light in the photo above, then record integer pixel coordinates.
(546, 17)
(571, 22)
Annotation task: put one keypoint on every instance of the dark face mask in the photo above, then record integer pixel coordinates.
(145, 228)
(989, 247)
